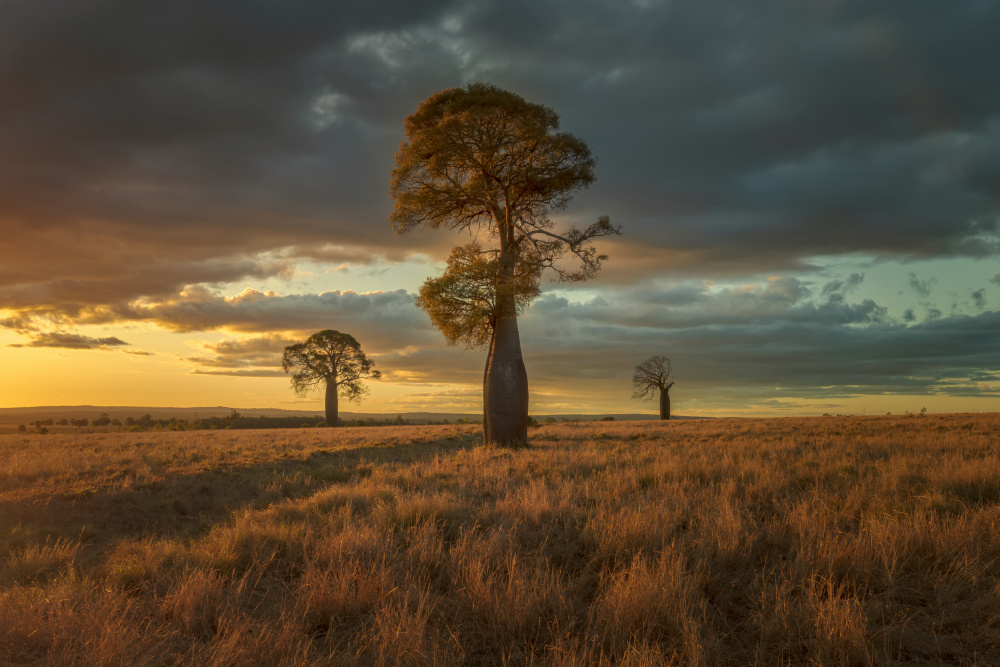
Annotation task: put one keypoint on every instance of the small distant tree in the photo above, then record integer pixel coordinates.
(651, 376)
(103, 420)
(22, 428)
(333, 361)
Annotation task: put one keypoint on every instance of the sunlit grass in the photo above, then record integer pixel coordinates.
(782, 541)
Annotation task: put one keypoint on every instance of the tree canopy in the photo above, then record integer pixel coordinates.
(483, 159)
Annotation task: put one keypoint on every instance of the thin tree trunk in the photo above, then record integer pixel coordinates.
(505, 387)
(331, 404)
(664, 404)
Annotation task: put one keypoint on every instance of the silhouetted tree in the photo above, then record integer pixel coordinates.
(651, 376)
(483, 159)
(333, 361)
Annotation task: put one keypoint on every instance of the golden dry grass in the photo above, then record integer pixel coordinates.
(835, 541)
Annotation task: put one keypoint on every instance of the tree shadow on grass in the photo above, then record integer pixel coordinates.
(189, 504)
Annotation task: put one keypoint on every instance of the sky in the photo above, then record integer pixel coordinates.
(809, 193)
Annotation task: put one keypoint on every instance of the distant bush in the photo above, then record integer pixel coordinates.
(607, 419)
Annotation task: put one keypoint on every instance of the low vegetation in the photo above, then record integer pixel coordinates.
(829, 540)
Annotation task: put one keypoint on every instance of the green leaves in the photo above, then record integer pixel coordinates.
(465, 301)
(482, 156)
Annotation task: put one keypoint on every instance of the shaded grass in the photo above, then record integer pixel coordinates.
(784, 541)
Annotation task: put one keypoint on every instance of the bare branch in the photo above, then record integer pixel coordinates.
(650, 377)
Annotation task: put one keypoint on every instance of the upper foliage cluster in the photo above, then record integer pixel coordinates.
(483, 159)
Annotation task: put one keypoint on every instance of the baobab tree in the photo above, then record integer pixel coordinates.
(333, 361)
(651, 376)
(484, 160)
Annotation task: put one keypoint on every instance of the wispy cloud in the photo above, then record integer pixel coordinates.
(71, 341)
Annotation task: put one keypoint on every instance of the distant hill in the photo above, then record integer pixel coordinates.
(30, 414)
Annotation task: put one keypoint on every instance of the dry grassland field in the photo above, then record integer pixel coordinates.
(827, 540)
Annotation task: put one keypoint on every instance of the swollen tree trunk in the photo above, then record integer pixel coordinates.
(664, 404)
(505, 387)
(331, 404)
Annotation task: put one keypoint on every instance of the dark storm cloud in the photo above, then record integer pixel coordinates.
(788, 129)
(71, 341)
(184, 133)
(740, 136)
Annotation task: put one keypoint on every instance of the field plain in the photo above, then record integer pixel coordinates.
(827, 540)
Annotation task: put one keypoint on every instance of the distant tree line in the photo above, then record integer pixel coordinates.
(234, 420)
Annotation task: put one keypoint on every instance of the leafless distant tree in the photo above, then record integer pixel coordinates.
(651, 376)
